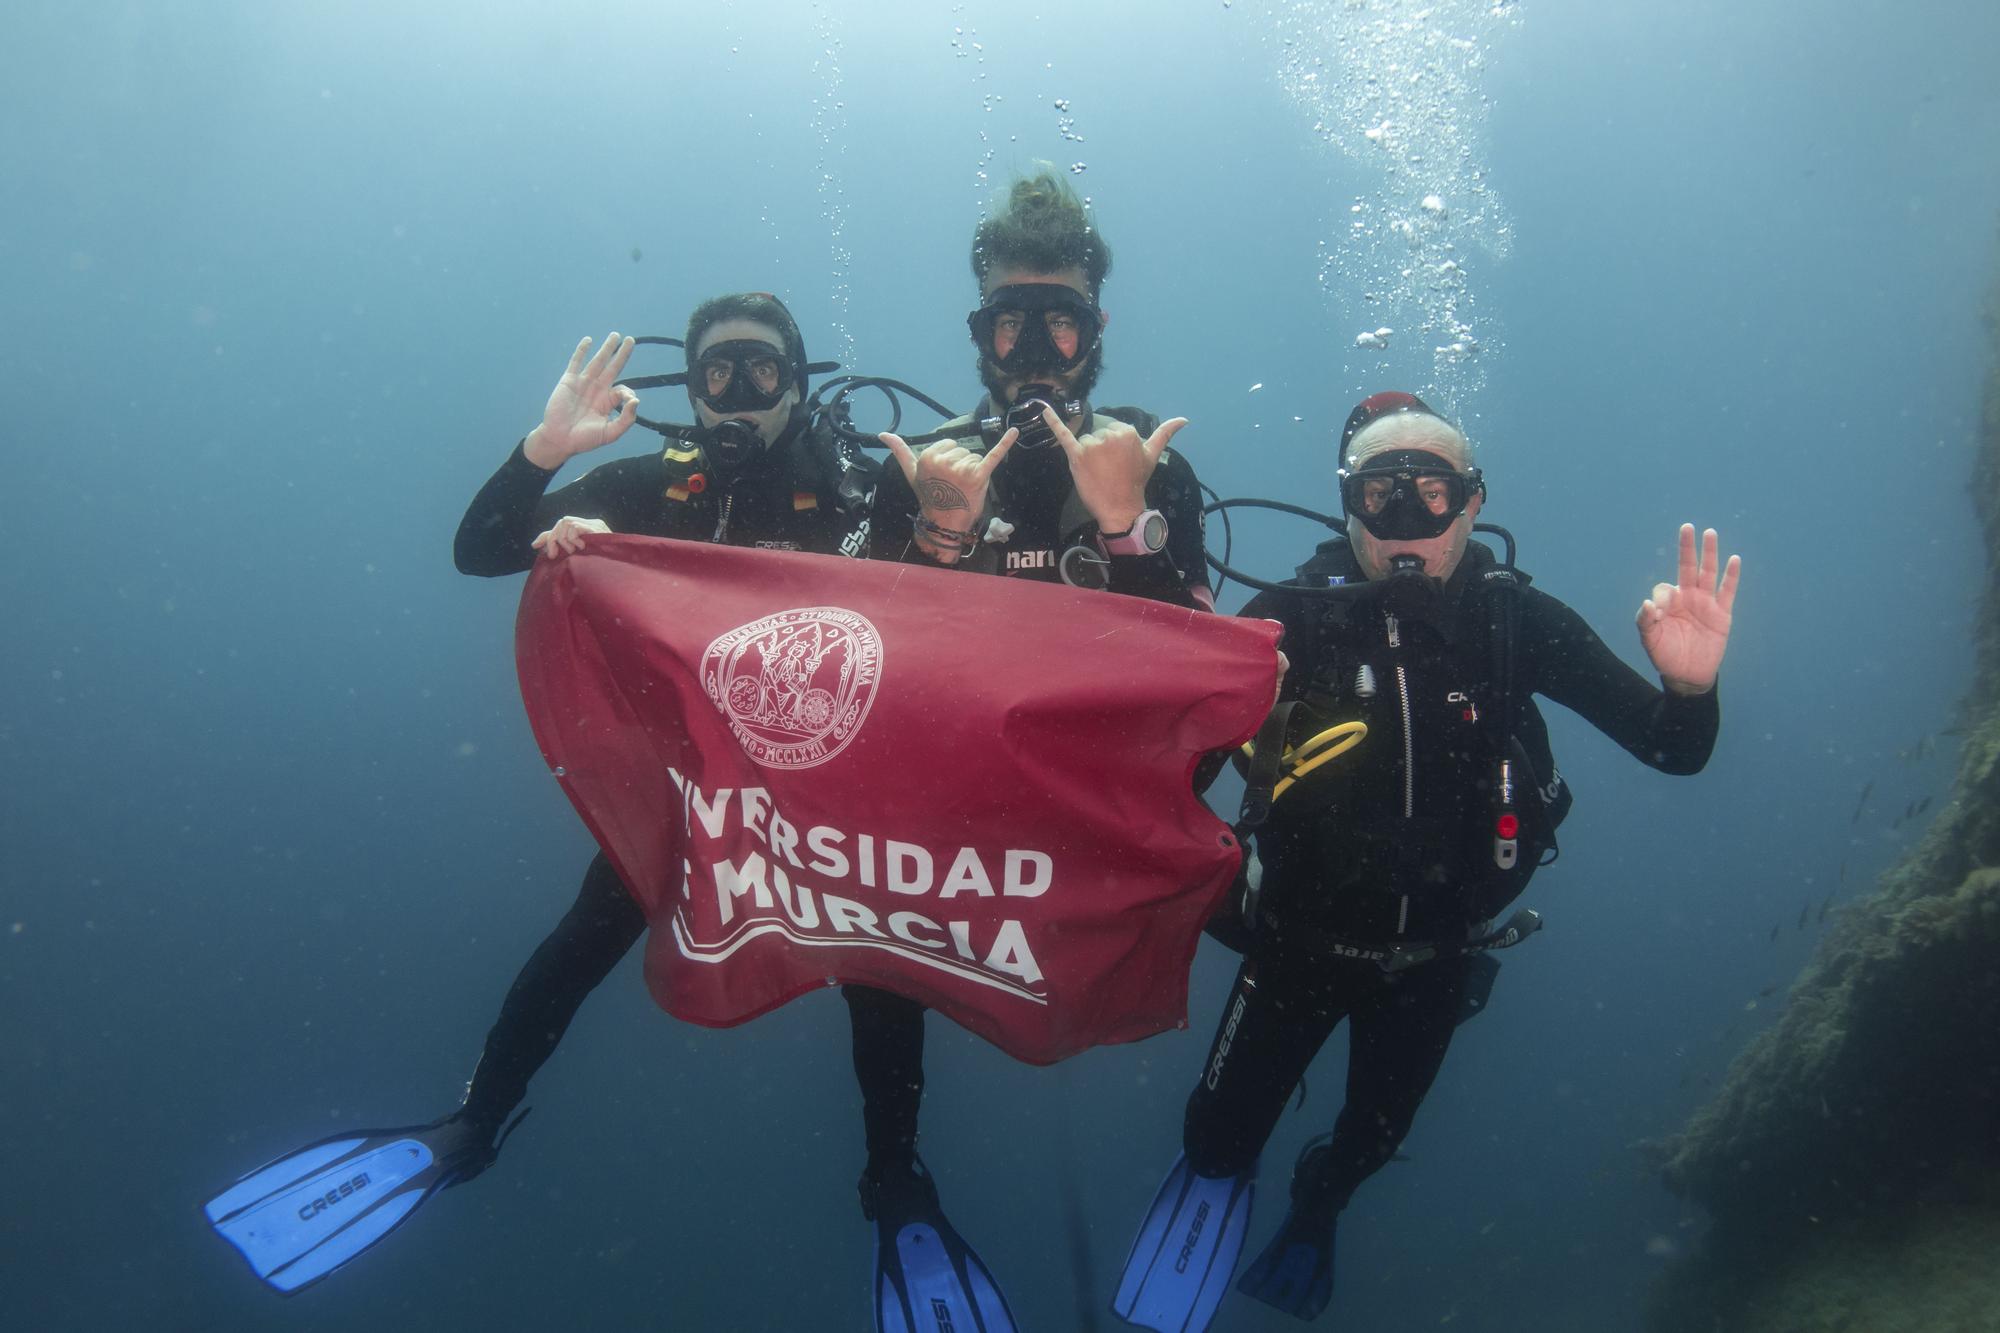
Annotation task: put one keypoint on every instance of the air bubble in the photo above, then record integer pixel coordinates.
(1400, 89)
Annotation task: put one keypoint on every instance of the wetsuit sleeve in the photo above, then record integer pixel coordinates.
(511, 509)
(1286, 611)
(1289, 612)
(1174, 574)
(1563, 658)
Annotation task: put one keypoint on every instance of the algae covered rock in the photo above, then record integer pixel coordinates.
(1851, 1158)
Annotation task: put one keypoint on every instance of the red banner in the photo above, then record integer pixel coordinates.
(972, 791)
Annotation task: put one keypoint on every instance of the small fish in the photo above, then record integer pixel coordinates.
(1765, 993)
(1258, 385)
(1910, 810)
(1805, 910)
(637, 254)
(1776, 926)
(1862, 804)
(1826, 907)
(1842, 877)
(1923, 805)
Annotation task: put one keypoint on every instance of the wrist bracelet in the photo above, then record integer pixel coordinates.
(943, 536)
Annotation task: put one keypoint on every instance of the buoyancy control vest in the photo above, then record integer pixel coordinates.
(831, 484)
(1440, 818)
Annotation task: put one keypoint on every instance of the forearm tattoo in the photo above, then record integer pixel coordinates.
(939, 495)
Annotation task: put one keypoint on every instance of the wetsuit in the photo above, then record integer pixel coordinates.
(1032, 496)
(805, 493)
(1392, 844)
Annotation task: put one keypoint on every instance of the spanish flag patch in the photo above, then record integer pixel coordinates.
(804, 500)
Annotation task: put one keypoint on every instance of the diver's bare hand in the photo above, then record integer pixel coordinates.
(588, 408)
(1111, 468)
(950, 483)
(566, 537)
(1685, 625)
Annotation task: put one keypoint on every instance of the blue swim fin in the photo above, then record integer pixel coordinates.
(926, 1277)
(1186, 1249)
(304, 1215)
(1295, 1271)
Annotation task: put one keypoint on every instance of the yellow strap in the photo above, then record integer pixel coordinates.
(1335, 741)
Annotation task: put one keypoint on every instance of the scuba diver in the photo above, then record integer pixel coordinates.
(1035, 484)
(757, 469)
(1383, 871)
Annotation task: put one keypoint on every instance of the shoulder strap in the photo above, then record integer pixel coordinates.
(838, 466)
(1504, 587)
(1267, 758)
(1331, 561)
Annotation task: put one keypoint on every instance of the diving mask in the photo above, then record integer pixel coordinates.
(1035, 328)
(741, 375)
(1407, 494)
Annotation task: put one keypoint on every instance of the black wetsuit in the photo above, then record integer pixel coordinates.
(806, 493)
(1031, 494)
(1393, 844)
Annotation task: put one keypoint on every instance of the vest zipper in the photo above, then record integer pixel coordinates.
(1409, 757)
(722, 519)
(1409, 747)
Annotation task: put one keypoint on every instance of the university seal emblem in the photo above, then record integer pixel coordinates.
(795, 686)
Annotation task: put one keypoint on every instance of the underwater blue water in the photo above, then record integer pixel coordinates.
(283, 284)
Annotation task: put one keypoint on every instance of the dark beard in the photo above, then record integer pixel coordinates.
(1079, 385)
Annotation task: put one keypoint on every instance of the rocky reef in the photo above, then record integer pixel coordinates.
(1850, 1160)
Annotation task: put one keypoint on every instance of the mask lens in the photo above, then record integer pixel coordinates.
(767, 373)
(1035, 326)
(1064, 331)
